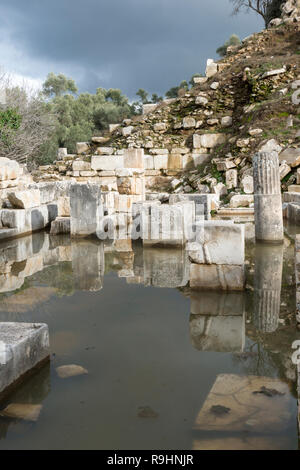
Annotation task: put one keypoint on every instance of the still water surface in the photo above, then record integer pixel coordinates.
(125, 316)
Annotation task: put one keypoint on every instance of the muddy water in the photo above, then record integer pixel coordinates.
(167, 368)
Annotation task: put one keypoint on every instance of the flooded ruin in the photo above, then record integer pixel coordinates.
(162, 366)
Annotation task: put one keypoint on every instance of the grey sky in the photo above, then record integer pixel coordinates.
(127, 44)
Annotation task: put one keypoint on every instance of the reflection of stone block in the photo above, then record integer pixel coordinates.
(248, 411)
(217, 303)
(165, 268)
(88, 265)
(218, 333)
(216, 277)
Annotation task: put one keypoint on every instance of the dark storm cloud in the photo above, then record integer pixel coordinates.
(128, 44)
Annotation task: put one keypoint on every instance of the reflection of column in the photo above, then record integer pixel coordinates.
(217, 321)
(267, 286)
(267, 197)
(88, 265)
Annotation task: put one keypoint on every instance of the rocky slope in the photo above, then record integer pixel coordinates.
(204, 140)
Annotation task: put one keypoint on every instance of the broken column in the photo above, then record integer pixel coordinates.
(267, 198)
(86, 209)
(267, 286)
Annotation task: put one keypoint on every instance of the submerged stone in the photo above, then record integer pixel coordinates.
(24, 411)
(64, 372)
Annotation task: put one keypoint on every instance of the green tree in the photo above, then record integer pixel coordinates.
(57, 85)
(155, 98)
(173, 92)
(234, 40)
(143, 95)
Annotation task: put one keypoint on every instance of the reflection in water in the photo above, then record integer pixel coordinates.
(33, 391)
(267, 286)
(53, 271)
(217, 321)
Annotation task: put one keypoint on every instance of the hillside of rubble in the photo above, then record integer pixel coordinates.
(204, 140)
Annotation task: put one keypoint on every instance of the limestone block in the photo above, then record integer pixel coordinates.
(211, 68)
(218, 243)
(22, 347)
(199, 80)
(86, 209)
(161, 162)
(149, 162)
(9, 169)
(126, 131)
(160, 127)
(82, 147)
(60, 225)
(293, 213)
(61, 153)
(247, 184)
(105, 150)
(241, 200)
(208, 140)
(200, 158)
(123, 202)
(294, 188)
(291, 156)
(157, 151)
(113, 127)
(226, 121)
(201, 100)
(107, 163)
(188, 123)
(25, 199)
(216, 277)
(63, 206)
(231, 178)
(175, 162)
(134, 158)
(79, 165)
(149, 108)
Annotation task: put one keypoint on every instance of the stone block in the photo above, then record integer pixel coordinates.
(86, 209)
(105, 150)
(175, 162)
(231, 178)
(80, 165)
(60, 225)
(82, 147)
(149, 162)
(107, 163)
(161, 162)
(134, 158)
(23, 346)
(241, 200)
(25, 199)
(218, 243)
(208, 140)
(9, 169)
